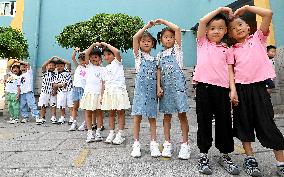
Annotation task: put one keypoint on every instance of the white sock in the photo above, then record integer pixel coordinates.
(280, 163)
(111, 132)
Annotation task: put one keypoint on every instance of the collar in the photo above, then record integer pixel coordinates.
(241, 44)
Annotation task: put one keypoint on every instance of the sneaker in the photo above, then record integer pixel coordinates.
(136, 152)
(110, 137)
(226, 162)
(184, 152)
(53, 120)
(70, 120)
(83, 127)
(61, 120)
(39, 121)
(90, 137)
(154, 148)
(167, 151)
(203, 165)
(13, 121)
(118, 139)
(24, 120)
(73, 126)
(94, 127)
(251, 167)
(102, 128)
(98, 137)
(280, 170)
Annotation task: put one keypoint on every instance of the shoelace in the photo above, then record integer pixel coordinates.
(228, 160)
(204, 161)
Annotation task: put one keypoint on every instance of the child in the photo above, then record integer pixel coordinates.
(47, 95)
(171, 86)
(214, 63)
(63, 86)
(115, 96)
(78, 84)
(145, 98)
(27, 98)
(271, 52)
(255, 111)
(91, 100)
(13, 91)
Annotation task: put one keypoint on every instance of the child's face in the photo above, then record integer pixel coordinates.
(60, 67)
(108, 56)
(168, 39)
(146, 44)
(24, 68)
(82, 62)
(95, 60)
(239, 30)
(271, 53)
(51, 66)
(216, 30)
(16, 70)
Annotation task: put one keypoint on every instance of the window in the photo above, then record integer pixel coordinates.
(8, 8)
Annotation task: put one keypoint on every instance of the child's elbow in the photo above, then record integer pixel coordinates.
(270, 13)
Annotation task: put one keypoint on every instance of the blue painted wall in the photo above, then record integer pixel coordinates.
(5, 20)
(277, 7)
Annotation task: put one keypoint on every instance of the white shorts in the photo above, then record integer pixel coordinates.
(47, 99)
(64, 99)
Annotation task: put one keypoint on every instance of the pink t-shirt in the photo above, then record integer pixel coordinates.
(212, 63)
(251, 61)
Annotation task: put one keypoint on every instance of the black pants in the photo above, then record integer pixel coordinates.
(215, 100)
(255, 113)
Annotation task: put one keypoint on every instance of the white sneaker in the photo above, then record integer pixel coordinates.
(73, 126)
(82, 127)
(167, 151)
(13, 121)
(71, 120)
(98, 136)
(90, 137)
(110, 137)
(184, 152)
(24, 120)
(61, 120)
(154, 148)
(136, 152)
(118, 139)
(53, 120)
(39, 121)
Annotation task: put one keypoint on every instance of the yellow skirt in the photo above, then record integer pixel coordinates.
(90, 101)
(115, 98)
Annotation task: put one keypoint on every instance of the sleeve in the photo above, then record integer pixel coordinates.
(137, 60)
(230, 56)
(261, 36)
(179, 55)
(200, 41)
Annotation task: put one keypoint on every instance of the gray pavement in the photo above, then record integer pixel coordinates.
(50, 150)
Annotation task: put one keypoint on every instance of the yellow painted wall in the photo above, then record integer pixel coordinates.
(17, 22)
(265, 4)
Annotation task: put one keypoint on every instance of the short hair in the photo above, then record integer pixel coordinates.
(59, 62)
(96, 51)
(219, 16)
(81, 56)
(147, 34)
(270, 47)
(161, 33)
(107, 50)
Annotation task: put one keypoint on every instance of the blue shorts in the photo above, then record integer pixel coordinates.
(77, 93)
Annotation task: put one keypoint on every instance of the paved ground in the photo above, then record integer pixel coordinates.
(50, 150)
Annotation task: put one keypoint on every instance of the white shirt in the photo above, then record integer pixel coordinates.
(94, 75)
(79, 77)
(26, 81)
(138, 57)
(114, 75)
(12, 83)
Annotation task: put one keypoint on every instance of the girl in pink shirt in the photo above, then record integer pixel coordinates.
(212, 73)
(255, 111)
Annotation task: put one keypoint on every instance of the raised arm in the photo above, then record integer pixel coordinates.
(138, 35)
(89, 50)
(266, 15)
(114, 50)
(201, 32)
(76, 50)
(172, 26)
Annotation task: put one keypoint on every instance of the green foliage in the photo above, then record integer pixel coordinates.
(13, 44)
(115, 29)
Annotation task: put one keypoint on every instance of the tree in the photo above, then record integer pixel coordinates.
(115, 29)
(13, 44)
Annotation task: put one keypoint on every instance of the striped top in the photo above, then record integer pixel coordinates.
(48, 78)
(64, 78)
